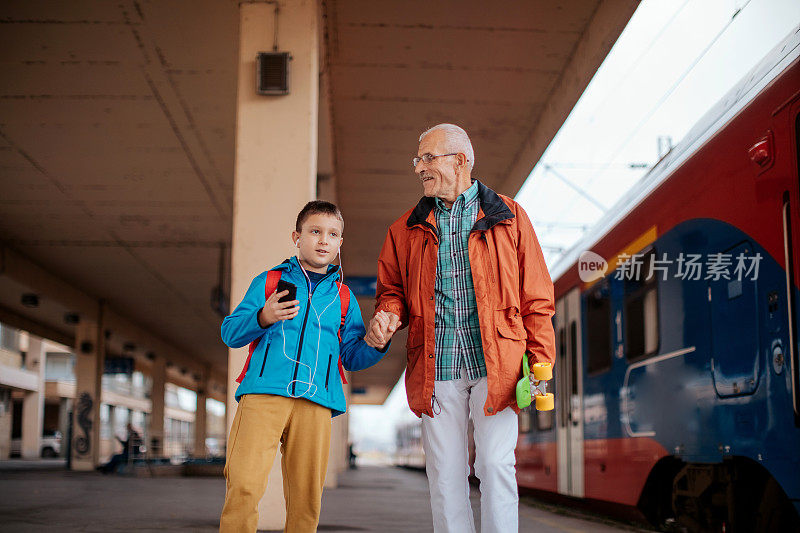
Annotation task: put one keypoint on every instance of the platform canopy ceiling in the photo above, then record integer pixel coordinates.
(117, 124)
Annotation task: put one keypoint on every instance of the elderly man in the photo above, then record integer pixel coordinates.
(464, 270)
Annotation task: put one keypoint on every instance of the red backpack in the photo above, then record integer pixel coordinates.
(272, 283)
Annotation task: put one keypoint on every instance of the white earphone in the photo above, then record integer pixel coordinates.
(311, 388)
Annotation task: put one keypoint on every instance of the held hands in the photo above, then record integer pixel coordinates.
(381, 328)
(273, 310)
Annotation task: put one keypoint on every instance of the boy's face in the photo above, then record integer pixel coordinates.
(319, 241)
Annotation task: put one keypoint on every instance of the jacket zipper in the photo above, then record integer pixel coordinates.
(266, 351)
(303, 329)
(488, 260)
(328, 375)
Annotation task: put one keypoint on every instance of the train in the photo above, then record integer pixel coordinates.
(677, 378)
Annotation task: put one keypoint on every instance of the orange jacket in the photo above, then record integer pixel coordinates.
(513, 292)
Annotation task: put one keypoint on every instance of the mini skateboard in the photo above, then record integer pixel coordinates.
(529, 389)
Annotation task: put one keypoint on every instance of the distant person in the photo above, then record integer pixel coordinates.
(131, 446)
(352, 457)
(464, 271)
(290, 387)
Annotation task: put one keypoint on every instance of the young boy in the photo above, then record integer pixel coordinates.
(291, 385)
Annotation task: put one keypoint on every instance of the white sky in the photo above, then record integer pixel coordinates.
(656, 81)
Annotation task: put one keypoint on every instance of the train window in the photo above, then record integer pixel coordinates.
(598, 328)
(641, 311)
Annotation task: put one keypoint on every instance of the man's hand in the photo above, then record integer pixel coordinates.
(381, 329)
(394, 322)
(273, 310)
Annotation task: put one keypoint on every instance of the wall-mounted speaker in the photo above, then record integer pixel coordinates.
(272, 73)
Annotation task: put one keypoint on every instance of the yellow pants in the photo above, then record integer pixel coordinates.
(303, 429)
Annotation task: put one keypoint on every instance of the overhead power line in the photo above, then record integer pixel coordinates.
(575, 187)
(668, 93)
(659, 103)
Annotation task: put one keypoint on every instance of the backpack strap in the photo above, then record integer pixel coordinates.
(273, 276)
(344, 298)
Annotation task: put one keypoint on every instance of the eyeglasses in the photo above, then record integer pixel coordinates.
(427, 158)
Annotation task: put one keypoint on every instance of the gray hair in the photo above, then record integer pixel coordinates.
(456, 140)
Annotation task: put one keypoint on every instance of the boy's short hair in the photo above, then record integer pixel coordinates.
(317, 207)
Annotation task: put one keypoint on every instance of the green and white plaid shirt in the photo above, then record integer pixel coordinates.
(458, 335)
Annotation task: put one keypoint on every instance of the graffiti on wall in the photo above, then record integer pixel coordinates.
(83, 443)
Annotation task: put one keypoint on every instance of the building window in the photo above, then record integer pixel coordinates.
(9, 338)
(106, 432)
(641, 311)
(598, 328)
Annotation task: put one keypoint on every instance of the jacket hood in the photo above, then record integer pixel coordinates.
(494, 210)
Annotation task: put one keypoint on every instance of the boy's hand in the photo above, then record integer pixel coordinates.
(273, 310)
(381, 329)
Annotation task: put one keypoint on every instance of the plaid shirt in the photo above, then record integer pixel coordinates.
(458, 336)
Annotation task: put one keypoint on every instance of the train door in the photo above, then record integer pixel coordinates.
(791, 245)
(734, 331)
(569, 395)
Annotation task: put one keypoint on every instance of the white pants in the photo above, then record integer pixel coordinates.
(444, 439)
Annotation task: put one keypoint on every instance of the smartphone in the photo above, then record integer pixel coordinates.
(286, 286)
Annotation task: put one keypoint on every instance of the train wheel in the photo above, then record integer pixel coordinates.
(542, 371)
(545, 402)
(776, 512)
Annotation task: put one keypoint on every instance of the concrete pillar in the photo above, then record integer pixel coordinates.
(199, 449)
(275, 169)
(6, 420)
(33, 402)
(64, 408)
(89, 356)
(155, 429)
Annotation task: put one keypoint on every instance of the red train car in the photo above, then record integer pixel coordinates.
(677, 388)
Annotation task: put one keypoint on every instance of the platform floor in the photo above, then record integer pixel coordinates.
(368, 499)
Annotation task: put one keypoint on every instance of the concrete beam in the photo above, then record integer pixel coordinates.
(16, 378)
(16, 320)
(147, 342)
(600, 34)
(26, 272)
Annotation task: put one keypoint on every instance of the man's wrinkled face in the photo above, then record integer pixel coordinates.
(439, 176)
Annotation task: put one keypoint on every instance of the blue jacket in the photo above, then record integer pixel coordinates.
(298, 358)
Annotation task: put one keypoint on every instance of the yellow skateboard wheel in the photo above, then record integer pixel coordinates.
(545, 402)
(542, 371)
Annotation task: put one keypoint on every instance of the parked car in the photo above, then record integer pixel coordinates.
(50, 445)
